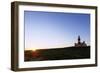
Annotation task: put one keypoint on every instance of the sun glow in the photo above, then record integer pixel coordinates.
(34, 49)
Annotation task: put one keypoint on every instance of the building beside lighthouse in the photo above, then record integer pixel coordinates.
(79, 43)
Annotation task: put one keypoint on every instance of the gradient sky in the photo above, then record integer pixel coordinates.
(55, 29)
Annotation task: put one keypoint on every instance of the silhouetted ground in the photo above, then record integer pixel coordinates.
(58, 54)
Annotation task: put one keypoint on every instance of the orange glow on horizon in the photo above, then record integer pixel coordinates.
(33, 49)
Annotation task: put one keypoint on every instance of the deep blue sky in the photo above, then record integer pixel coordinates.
(55, 29)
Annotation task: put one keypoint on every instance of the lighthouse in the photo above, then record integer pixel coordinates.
(79, 43)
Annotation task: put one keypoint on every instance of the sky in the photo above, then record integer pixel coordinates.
(45, 30)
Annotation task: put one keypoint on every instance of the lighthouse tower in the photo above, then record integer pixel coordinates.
(79, 40)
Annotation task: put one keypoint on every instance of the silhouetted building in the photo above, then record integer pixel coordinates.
(79, 43)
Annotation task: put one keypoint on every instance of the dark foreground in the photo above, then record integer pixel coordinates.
(57, 54)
